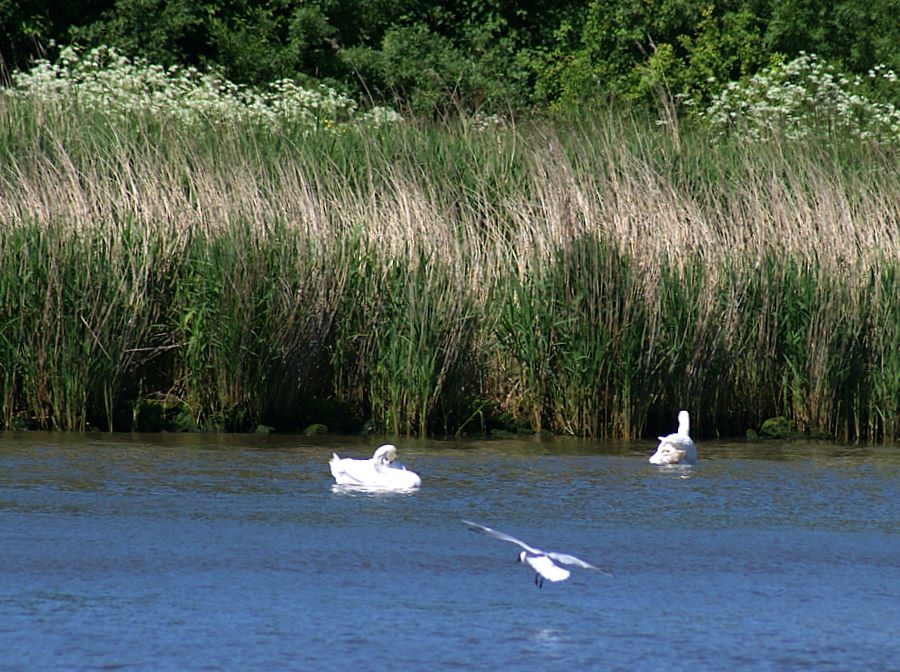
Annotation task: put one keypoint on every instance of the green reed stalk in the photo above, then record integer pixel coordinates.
(589, 278)
(883, 409)
(75, 314)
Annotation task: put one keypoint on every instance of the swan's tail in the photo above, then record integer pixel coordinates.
(335, 464)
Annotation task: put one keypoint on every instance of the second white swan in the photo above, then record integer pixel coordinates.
(677, 448)
(380, 472)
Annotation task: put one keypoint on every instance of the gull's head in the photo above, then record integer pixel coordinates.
(386, 454)
(521, 557)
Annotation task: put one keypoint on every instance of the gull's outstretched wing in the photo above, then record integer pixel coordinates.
(503, 536)
(567, 559)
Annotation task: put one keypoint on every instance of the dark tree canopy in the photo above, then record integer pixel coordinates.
(471, 54)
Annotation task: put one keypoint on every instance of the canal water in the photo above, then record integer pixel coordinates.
(203, 552)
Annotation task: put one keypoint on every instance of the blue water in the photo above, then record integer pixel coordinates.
(233, 553)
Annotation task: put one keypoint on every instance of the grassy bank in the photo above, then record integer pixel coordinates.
(587, 277)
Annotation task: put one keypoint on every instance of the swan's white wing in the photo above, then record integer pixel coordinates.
(667, 454)
(682, 441)
(348, 471)
(675, 448)
(567, 559)
(690, 452)
(545, 567)
(337, 466)
(502, 535)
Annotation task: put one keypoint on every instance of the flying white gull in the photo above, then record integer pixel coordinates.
(677, 448)
(380, 472)
(540, 561)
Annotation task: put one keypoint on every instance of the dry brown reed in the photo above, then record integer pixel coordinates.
(590, 279)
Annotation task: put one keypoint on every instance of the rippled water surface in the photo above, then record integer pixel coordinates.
(234, 553)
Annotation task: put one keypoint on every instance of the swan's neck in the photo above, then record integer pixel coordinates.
(684, 423)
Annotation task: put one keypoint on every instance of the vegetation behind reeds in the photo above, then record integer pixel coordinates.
(588, 277)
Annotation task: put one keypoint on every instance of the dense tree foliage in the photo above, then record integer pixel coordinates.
(473, 54)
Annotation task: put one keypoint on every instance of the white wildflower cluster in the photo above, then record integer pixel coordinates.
(882, 72)
(803, 96)
(380, 116)
(106, 81)
(481, 122)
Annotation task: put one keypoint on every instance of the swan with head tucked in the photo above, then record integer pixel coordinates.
(542, 562)
(380, 472)
(677, 448)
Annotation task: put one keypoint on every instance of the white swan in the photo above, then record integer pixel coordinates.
(540, 561)
(378, 473)
(677, 448)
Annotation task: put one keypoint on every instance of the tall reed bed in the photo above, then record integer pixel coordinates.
(588, 277)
